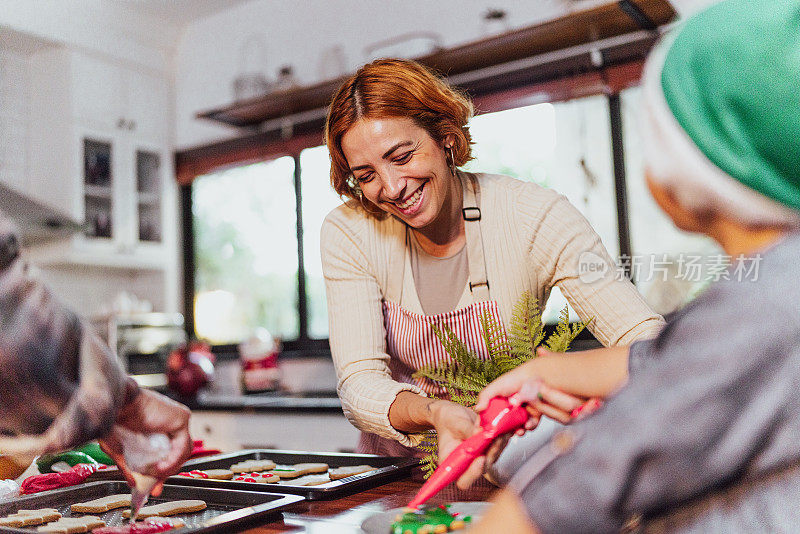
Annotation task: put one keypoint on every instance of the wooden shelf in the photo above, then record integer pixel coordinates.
(598, 24)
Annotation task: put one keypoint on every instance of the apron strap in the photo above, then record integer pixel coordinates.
(478, 281)
(394, 290)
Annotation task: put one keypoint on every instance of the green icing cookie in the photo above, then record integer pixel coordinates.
(427, 519)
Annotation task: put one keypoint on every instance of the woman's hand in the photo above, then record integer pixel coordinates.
(151, 413)
(453, 423)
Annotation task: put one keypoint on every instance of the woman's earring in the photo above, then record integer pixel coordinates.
(452, 161)
(355, 187)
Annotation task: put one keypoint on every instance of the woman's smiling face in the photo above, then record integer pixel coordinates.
(400, 168)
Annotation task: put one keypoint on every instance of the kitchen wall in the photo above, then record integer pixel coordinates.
(214, 50)
(108, 30)
(14, 87)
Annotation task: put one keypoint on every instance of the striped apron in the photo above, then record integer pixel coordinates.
(410, 340)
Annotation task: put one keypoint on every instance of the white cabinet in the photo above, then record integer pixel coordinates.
(98, 151)
(113, 97)
(231, 431)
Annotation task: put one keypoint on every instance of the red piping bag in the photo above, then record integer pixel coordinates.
(500, 417)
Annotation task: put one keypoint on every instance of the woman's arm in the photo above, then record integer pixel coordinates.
(568, 250)
(358, 340)
(371, 399)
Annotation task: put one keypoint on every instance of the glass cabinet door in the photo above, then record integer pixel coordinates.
(148, 193)
(98, 188)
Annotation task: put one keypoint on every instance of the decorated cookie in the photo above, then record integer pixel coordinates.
(349, 470)
(253, 466)
(308, 480)
(259, 478)
(169, 508)
(24, 518)
(298, 470)
(151, 525)
(212, 474)
(103, 504)
(72, 525)
(428, 520)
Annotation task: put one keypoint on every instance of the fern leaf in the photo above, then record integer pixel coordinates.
(430, 446)
(560, 340)
(526, 330)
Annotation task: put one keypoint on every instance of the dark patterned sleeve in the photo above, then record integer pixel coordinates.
(59, 385)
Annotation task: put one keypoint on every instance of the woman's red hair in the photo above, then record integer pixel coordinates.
(395, 88)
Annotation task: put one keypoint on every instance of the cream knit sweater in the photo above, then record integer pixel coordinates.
(532, 237)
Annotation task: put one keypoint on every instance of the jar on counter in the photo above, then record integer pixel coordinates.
(259, 359)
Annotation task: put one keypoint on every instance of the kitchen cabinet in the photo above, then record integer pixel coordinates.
(98, 151)
(313, 431)
(113, 97)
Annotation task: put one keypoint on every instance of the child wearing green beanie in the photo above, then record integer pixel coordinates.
(700, 428)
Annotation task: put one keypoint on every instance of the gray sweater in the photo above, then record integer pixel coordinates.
(706, 435)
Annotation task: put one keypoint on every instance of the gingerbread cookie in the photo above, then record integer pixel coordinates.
(212, 474)
(298, 470)
(103, 504)
(25, 518)
(260, 478)
(13, 522)
(72, 525)
(349, 470)
(253, 465)
(169, 508)
(308, 480)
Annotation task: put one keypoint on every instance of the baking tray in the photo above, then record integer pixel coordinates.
(389, 469)
(227, 510)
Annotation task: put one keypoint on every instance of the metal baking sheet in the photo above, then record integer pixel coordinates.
(228, 510)
(388, 469)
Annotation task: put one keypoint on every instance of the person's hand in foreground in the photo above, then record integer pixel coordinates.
(151, 413)
(506, 510)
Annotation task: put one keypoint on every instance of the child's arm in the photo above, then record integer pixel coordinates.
(590, 373)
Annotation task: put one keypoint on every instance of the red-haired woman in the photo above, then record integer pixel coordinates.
(420, 242)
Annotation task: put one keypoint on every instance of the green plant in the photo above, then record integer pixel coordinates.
(465, 374)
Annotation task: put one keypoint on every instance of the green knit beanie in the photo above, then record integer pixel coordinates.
(731, 77)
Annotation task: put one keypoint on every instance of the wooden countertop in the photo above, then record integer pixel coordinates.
(345, 515)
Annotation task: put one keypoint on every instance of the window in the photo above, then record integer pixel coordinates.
(318, 200)
(662, 255)
(246, 267)
(564, 146)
